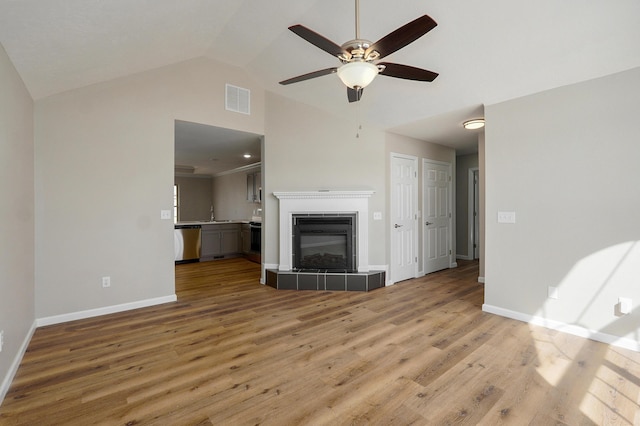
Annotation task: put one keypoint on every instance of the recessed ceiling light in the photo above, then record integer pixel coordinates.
(247, 156)
(476, 123)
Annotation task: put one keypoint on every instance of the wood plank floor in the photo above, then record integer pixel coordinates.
(234, 352)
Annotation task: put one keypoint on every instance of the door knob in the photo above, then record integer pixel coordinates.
(428, 223)
(397, 226)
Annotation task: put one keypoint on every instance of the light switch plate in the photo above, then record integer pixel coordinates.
(377, 215)
(165, 214)
(506, 217)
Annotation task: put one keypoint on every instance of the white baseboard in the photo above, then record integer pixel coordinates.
(575, 330)
(463, 257)
(384, 268)
(481, 280)
(57, 319)
(453, 265)
(13, 369)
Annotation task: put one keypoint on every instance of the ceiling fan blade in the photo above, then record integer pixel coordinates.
(317, 40)
(354, 95)
(404, 35)
(309, 76)
(407, 72)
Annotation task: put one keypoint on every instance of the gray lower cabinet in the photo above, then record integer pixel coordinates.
(218, 241)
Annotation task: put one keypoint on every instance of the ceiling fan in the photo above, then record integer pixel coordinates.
(359, 57)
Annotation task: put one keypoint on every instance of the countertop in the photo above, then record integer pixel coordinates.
(206, 222)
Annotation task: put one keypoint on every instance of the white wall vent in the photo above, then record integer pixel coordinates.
(238, 99)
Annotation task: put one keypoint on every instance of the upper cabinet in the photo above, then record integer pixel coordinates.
(254, 187)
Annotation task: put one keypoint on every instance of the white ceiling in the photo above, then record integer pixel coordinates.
(212, 150)
(485, 51)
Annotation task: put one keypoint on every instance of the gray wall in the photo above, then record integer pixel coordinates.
(308, 149)
(463, 164)
(566, 161)
(194, 198)
(17, 278)
(483, 214)
(230, 196)
(104, 171)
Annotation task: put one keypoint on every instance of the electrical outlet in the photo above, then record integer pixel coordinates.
(553, 292)
(1, 339)
(626, 305)
(165, 214)
(106, 281)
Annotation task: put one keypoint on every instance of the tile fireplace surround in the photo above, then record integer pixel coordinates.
(318, 203)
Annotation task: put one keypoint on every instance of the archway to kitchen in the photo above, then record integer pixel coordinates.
(217, 193)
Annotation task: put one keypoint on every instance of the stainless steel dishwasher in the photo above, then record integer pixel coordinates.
(187, 243)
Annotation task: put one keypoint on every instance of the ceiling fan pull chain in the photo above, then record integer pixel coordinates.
(358, 121)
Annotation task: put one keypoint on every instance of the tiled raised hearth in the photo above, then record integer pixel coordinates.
(327, 281)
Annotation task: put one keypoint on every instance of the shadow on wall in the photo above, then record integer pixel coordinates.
(609, 379)
(613, 269)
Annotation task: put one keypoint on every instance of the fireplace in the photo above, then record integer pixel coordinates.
(353, 204)
(324, 243)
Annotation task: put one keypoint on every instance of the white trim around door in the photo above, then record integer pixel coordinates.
(473, 214)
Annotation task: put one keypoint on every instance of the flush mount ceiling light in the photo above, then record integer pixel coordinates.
(247, 155)
(476, 123)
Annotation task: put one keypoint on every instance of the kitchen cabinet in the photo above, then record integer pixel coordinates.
(254, 187)
(218, 241)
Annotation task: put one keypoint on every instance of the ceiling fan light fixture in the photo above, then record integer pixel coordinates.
(357, 74)
(476, 123)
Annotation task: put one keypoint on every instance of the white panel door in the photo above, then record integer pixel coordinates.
(437, 215)
(404, 199)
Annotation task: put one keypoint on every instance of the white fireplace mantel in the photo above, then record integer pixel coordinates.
(318, 202)
(296, 195)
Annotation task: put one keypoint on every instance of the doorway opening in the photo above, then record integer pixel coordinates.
(213, 167)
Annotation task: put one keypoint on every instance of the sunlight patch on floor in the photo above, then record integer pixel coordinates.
(610, 394)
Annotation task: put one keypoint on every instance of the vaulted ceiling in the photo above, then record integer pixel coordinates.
(485, 51)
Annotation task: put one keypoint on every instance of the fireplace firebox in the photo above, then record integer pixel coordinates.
(324, 243)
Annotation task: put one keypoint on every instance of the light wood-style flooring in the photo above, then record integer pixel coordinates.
(234, 352)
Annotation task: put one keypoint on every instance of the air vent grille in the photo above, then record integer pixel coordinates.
(238, 99)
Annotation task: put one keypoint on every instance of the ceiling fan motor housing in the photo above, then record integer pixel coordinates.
(355, 50)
